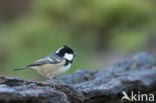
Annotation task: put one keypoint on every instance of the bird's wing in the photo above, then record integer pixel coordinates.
(51, 59)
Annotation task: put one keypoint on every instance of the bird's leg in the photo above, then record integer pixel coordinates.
(54, 82)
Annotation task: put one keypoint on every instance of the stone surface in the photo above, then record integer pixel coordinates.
(135, 74)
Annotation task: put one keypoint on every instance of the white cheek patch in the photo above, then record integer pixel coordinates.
(68, 56)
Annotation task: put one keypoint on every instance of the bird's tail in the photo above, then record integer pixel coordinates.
(20, 68)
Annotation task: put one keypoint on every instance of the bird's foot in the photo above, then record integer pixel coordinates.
(53, 82)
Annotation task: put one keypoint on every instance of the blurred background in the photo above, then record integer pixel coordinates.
(101, 32)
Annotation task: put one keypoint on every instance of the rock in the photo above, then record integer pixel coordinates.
(135, 74)
(16, 90)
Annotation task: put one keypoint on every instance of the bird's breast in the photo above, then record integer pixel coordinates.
(53, 70)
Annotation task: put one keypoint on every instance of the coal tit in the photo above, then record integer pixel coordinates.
(54, 64)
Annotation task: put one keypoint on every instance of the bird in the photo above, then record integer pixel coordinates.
(54, 64)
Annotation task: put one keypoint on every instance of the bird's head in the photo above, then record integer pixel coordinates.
(66, 52)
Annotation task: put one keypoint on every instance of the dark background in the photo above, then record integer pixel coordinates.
(101, 32)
